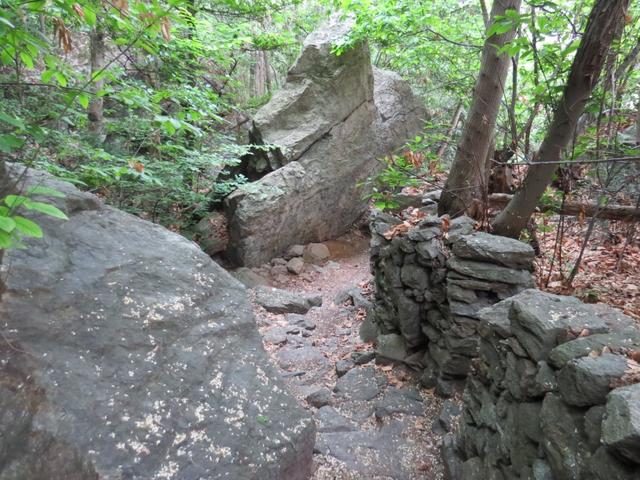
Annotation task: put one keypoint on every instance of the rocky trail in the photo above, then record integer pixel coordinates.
(374, 420)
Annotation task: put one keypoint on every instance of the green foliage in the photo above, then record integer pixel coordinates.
(14, 227)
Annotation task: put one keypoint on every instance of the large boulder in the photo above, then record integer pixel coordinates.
(326, 129)
(129, 354)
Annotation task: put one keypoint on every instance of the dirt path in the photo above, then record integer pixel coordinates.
(374, 421)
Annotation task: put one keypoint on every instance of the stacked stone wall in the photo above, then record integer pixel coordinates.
(554, 395)
(430, 283)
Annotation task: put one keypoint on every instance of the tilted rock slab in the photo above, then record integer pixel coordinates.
(129, 354)
(331, 121)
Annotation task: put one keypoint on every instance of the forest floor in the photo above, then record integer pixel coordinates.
(610, 268)
(374, 421)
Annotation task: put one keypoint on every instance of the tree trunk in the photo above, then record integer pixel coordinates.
(96, 104)
(604, 22)
(261, 77)
(5, 186)
(451, 131)
(468, 180)
(638, 123)
(609, 212)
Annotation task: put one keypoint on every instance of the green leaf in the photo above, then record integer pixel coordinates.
(90, 16)
(50, 192)
(26, 58)
(62, 80)
(7, 224)
(14, 201)
(10, 142)
(16, 122)
(83, 99)
(6, 241)
(27, 227)
(45, 208)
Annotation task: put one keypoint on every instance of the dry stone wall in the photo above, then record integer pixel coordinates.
(430, 286)
(553, 396)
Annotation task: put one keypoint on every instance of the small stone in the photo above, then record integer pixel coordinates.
(358, 384)
(249, 278)
(428, 379)
(278, 270)
(294, 251)
(402, 400)
(329, 420)
(368, 330)
(276, 336)
(343, 366)
(446, 388)
(449, 415)
(319, 398)
(278, 261)
(281, 301)
(295, 265)
(361, 358)
(316, 253)
(391, 347)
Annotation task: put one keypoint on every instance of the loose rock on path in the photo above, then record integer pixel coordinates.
(374, 422)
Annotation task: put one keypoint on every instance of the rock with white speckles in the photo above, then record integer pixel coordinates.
(135, 356)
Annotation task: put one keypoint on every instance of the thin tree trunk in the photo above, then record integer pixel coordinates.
(450, 132)
(5, 186)
(638, 123)
(96, 104)
(604, 22)
(261, 74)
(485, 14)
(467, 180)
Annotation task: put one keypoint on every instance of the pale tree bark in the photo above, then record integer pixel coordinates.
(5, 186)
(468, 179)
(261, 74)
(451, 131)
(485, 13)
(604, 22)
(638, 123)
(96, 104)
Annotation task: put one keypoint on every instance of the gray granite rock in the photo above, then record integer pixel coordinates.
(358, 384)
(489, 248)
(563, 438)
(586, 381)
(275, 300)
(490, 272)
(319, 397)
(329, 420)
(138, 358)
(331, 121)
(621, 424)
(541, 321)
(391, 347)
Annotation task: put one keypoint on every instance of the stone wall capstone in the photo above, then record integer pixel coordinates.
(430, 286)
(555, 395)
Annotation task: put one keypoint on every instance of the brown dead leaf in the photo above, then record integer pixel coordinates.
(78, 9)
(396, 230)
